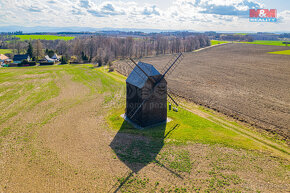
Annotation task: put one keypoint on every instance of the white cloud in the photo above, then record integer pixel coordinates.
(182, 14)
(106, 9)
(85, 3)
(152, 10)
(284, 17)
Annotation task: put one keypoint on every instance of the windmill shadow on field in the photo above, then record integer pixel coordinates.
(138, 148)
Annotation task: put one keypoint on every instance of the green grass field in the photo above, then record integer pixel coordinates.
(214, 42)
(58, 124)
(5, 51)
(270, 43)
(260, 42)
(284, 52)
(194, 128)
(44, 37)
(241, 34)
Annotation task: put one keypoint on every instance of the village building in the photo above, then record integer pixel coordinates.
(55, 57)
(48, 59)
(4, 60)
(20, 58)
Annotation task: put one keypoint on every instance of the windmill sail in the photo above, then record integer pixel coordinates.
(171, 66)
(171, 97)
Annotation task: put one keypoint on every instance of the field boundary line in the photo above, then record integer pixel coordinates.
(268, 143)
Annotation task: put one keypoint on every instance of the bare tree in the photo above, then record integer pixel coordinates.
(103, 49)
(38, 50)
(20, 46)
(62, 47)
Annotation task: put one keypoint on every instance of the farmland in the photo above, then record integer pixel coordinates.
(240, 80)
(61, 130)
(44, 37)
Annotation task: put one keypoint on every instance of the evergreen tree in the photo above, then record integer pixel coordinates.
(84, 57)
(63, 60)
(50, 53)
(30, 50)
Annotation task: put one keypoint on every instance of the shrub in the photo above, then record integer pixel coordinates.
(63, 60)
(46, 63)
(100, 61)
(111, 67)
(27, 63)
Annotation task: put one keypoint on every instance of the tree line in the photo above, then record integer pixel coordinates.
(234, 37)
(103, 49)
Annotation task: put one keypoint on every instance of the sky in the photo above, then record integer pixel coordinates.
(197, 15)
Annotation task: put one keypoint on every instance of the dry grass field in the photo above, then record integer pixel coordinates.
(241, 80)
(61, 131)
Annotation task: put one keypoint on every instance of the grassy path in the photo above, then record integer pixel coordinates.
(279, 149)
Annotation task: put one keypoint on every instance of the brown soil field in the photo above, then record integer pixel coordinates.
(240, 80)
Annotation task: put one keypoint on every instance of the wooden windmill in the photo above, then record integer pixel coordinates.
(146, 100)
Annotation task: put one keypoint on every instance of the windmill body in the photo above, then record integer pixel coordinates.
(146, 102)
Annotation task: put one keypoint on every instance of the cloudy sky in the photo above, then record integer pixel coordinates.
(199, 15)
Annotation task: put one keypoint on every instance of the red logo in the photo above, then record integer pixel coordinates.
(263, 13)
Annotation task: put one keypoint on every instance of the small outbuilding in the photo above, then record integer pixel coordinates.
(48, 59)
(55, 57)
(146, 104)
(4, 60)
(20, 58)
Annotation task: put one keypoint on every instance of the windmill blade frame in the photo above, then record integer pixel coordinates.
(172, 99)
(155, 82)
(176, 61)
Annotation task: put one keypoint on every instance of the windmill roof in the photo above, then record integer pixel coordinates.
(138, 78)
